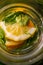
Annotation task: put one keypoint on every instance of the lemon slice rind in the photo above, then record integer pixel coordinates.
(20, 37)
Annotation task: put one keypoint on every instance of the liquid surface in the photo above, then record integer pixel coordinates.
(18, 30)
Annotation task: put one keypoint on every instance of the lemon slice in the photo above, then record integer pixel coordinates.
(21, 36)
(13, 44)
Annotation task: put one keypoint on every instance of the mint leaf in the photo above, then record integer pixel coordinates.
(17, 17)
(2, 36)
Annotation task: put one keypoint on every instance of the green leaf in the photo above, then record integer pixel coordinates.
(2, 36)
(17, 17)
(9, 18)
(1, 41)
(22, 19)
(1, 33)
